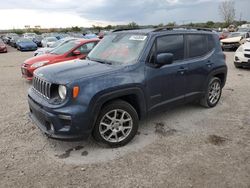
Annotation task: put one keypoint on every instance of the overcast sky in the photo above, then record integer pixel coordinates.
(67, 13)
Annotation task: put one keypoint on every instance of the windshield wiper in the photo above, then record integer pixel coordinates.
(99, 61)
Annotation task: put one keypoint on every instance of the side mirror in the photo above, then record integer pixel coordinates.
(76, 52)
(164, 59)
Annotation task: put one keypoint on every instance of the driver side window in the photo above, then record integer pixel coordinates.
(168, 44)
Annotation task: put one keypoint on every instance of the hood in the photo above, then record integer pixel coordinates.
(246, 45)
(44, 57)
(25, 44)
(233, 39)
(66, 72)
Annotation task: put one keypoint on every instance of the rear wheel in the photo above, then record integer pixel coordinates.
(117, 124)
(213, 93)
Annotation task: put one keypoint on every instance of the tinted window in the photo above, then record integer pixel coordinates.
(197, 45)
(210, 43)
(171, 44)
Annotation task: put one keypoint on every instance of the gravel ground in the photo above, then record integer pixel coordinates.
(188, 146)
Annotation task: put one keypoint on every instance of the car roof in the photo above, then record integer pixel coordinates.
(87, 40)
(168, 30)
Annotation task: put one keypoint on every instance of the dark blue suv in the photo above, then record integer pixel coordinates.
(129, 75)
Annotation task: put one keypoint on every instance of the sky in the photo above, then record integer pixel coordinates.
(85, 13)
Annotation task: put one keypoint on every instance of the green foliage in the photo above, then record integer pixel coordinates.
(132, 25)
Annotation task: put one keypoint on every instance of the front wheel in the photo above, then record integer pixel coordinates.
(213, 93)
(117, 124)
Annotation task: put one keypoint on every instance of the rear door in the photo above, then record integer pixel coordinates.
(166, 85)
(199, 58)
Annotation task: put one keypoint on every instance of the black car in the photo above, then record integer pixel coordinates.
(38, 40)
(129, 75)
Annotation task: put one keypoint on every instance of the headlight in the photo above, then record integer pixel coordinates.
(240, 49)
(62, 91)
(39, 64)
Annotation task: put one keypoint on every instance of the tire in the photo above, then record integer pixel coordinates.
(237, 66)
(212, 93)
(117, 120)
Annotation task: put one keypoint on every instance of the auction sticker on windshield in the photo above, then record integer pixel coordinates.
(138, 37)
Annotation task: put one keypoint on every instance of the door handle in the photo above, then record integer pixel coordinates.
(209, 64)
(182, 70)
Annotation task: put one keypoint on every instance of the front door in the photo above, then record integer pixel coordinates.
(166, 85)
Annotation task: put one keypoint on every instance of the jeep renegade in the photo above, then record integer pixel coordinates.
(128, 75)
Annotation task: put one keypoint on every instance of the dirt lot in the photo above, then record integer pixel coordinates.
(185, 147)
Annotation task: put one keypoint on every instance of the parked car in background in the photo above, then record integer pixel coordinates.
(234, 40)
(38, 40)
(128, 76)
(30, 36)
(224, 34)
(76, 49)
(3, 47)
(58, 43)
(8, 37)
(242, 56)
(24, 44)
(48, 41)
(90, 36)
(13, 41)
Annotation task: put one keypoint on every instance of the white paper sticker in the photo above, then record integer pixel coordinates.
(138, 37)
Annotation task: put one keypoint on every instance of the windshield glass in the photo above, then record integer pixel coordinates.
(65, 48)
(24, 40)
(51, 39)
(61, 42)
(119, 48)
(236, 35)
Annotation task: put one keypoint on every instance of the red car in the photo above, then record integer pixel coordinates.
(3, 47)
(77, 49)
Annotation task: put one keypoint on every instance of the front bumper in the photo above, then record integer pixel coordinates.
(230, 45)
(241, 59)
(242, 64)
(3, 49)
(57, 123)
(28, 48)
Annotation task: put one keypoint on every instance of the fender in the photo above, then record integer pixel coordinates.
(108, 95)
(220, 70)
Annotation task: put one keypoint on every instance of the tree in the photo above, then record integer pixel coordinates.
(227, 11)
(210, 24)
(133, 25)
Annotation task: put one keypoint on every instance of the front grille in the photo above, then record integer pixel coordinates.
(247, 50)
(42, 87)
(247, 55)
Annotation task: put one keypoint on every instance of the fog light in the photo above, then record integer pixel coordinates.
(236, 58)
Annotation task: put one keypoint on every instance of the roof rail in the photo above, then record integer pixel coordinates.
(182, 27)
(124, 29)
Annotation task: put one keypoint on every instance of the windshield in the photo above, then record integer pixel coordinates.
(236, 35)
(24, 40)
(51, 39)
(65, 48)
(61, 42)
(119, 48)
(244, 29)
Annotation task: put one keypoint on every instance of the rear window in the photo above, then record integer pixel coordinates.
(199, 45)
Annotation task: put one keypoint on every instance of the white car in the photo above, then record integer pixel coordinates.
(234, 40)
(242, 56)
(58, 43)
(48, 41)
(30, 36)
